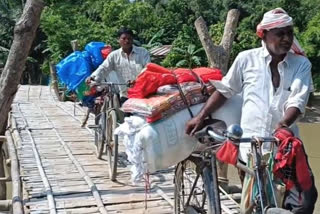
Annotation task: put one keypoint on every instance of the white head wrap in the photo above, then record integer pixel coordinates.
(278, 18)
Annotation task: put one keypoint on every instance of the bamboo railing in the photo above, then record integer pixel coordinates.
(15, 204)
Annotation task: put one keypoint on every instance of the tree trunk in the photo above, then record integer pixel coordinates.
(218, 55)
(24, 33)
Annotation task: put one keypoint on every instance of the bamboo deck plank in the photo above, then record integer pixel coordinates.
(77, 181)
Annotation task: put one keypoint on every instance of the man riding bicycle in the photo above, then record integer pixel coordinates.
(127, 62)
(275, 81)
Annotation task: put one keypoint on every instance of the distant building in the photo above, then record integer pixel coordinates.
(160, 52)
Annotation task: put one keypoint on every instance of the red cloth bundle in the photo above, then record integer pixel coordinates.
(148, 82)
(291, 156)
(106, 50)
(157, 68)
(228, 153)
(207, 74)
(155, 76)
(184, 75)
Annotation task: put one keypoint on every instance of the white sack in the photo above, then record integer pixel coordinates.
(165, 142)
(159, 145)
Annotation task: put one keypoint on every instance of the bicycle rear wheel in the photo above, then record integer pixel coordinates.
(112, 143)
(99, 134)
(191, 186)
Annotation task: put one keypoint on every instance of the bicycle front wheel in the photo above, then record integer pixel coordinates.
(112, 143)
(190, 189)
(99, 135)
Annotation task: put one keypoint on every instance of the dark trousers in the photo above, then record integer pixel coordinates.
(301, 203)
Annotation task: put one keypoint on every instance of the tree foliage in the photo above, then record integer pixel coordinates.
(95, 20)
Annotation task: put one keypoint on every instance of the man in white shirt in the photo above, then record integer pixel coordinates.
(127, 62)
(275, 81)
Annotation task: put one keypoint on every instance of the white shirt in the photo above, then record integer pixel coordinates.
(126, 67)
(263, 106)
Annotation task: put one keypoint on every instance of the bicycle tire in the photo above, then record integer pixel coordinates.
(112, 143)
(99, 137)
(116, 105)
(199, 202)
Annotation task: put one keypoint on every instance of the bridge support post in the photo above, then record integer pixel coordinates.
(5, 205)
(3, 187)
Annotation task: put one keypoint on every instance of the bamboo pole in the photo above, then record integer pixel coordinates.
(79, 167)
(75, 45)
(54, 82)
(3, 178)
(5, 205)
(17, 207)
(44, 178)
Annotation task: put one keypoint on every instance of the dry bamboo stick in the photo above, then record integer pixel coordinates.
(43, 175)
(163, 195)
(89, 181)
(5, 205)
(90, 131)
(17, 206)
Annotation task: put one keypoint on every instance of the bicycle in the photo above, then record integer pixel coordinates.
(195, 181)
(107, 118)
(197, 175)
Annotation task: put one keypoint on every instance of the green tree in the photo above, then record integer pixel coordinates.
(95, 20)
(190, 58)
(311, 42)
(187, 36)
(153, 42)
(10, 11)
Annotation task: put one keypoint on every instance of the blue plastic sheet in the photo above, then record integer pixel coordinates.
(74, 69)
(94, 50)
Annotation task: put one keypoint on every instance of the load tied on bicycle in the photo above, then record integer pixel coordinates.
(199, 123)
(274, 82)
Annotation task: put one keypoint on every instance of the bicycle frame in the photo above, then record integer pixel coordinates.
(259, 167)
(105, 123)
(206, 167)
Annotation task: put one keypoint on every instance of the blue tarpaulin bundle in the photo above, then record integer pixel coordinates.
(76, 67)
(94, 50)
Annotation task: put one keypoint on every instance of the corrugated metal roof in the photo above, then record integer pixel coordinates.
(160, 50)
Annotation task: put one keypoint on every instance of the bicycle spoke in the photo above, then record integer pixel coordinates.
(189, 192)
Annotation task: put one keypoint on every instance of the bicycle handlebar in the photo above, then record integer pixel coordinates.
(234, 133)
(94, 83)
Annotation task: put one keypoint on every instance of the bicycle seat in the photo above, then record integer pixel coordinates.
(218, 126)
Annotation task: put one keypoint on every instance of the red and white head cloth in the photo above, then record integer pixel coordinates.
(278, 18)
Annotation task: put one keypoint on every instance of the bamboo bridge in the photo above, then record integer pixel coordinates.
(54, 168)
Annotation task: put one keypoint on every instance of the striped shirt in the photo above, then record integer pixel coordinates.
(125, 67)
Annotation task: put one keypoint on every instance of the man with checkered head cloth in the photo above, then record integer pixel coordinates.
(275, 82)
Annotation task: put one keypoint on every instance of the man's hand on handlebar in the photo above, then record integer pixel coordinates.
(130, 83)
(193, 125)
(89, 79)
